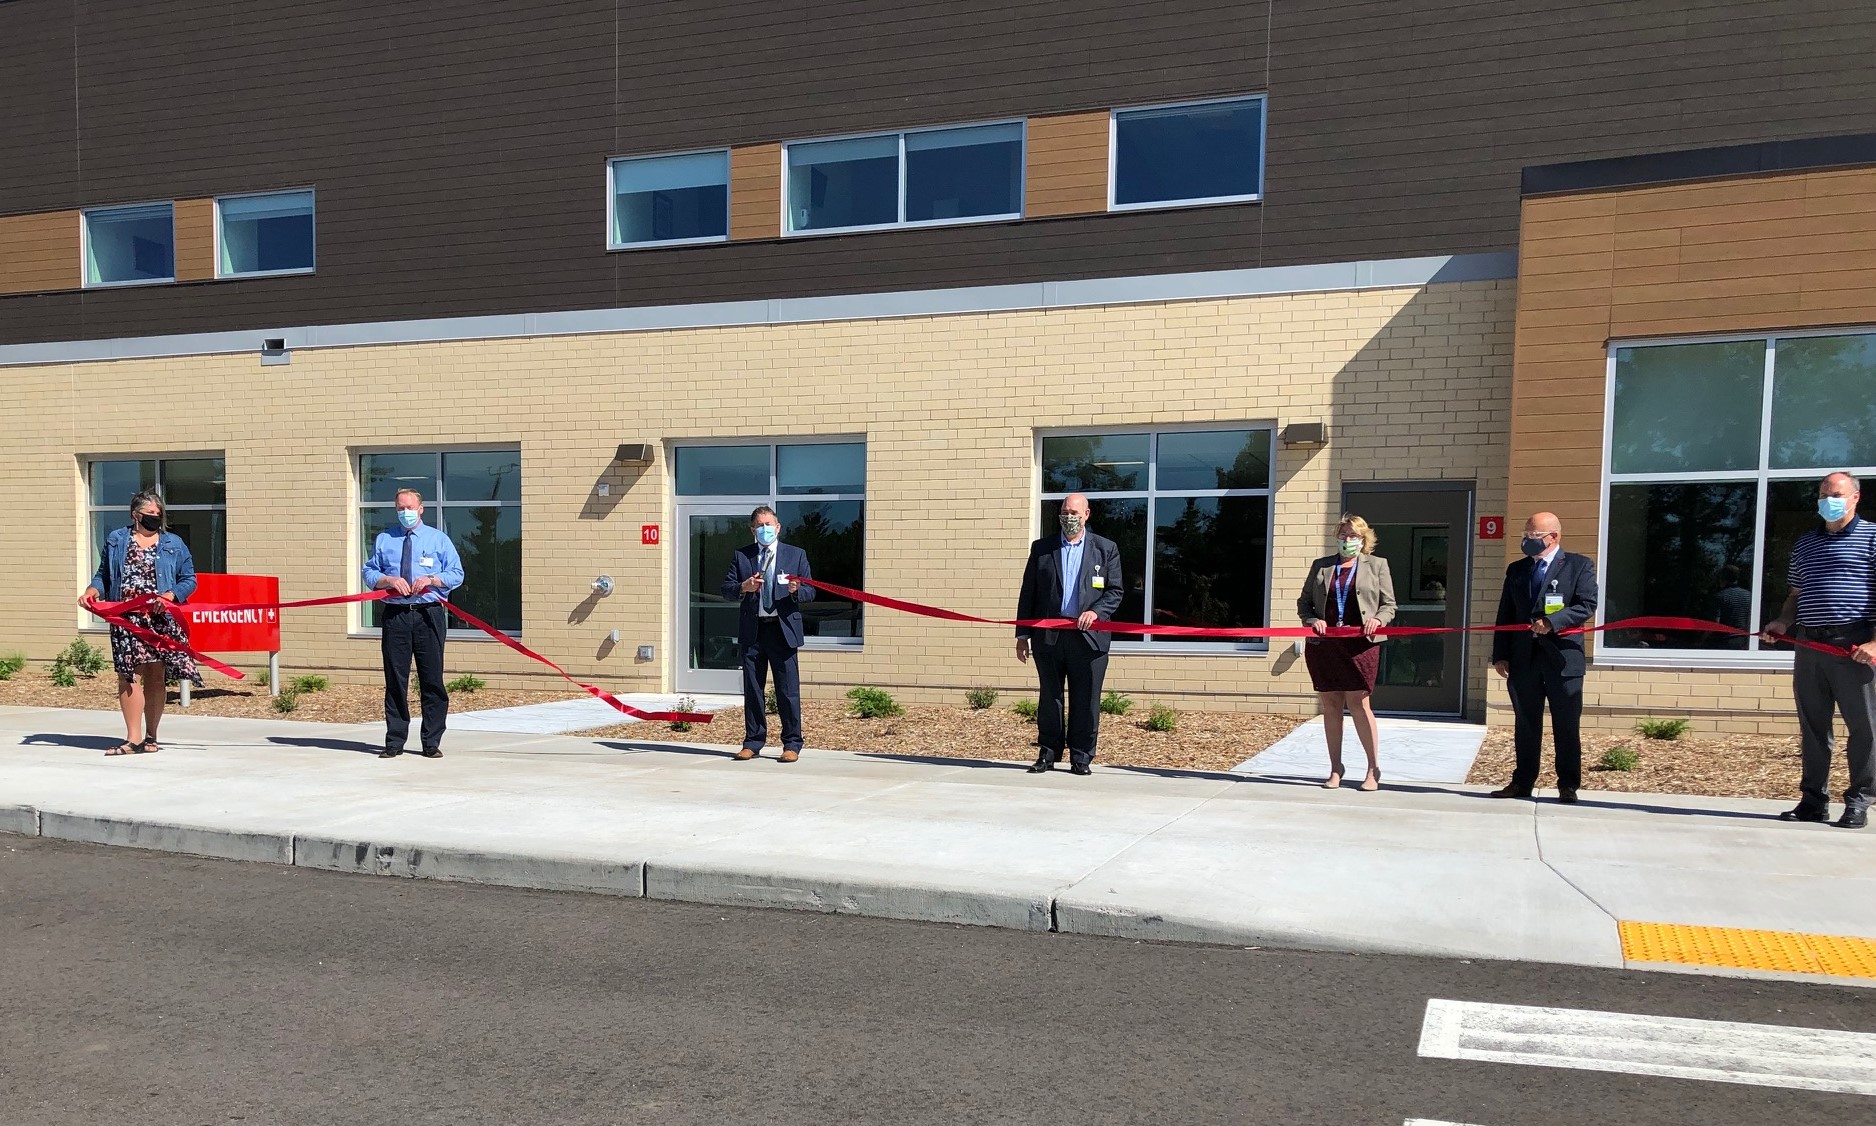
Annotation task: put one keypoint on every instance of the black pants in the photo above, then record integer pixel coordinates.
(1531, 688)
(771, 651)
(414, 631)
(1073, 662)
(1824, 684)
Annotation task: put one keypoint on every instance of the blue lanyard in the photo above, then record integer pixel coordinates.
(1342, 587)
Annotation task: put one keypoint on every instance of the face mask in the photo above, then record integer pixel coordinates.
(1833, 509)
(766, 535)
(150, 522)
(1533, 545)
(1072, 523)
(409, 517)
(1350, 547)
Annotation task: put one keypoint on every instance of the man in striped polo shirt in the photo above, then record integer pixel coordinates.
(1833, 600)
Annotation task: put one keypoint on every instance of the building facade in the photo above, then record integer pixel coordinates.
(598, 278)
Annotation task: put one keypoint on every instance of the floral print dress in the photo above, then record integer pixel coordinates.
(130, 652)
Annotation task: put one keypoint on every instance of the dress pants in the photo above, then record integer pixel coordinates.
(1824, 684)
(414, 631)
(1531, 688)
(771, 652)
(1071, 661)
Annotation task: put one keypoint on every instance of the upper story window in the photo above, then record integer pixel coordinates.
(972, 173)
(270, 233)
(668, 200)
(1197, 152)
(132, 245)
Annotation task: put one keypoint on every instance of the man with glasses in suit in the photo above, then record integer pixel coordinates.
(1549, 591)
(1071, 574)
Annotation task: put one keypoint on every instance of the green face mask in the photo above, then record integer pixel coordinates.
(1350, 547)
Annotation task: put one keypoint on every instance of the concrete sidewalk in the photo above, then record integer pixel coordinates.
(1415, 869)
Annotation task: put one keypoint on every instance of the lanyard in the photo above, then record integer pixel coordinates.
(1343, 581)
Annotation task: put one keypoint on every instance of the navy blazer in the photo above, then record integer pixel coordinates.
(1571, 577)
(175, 568)
(1041, 595)
(789, 560)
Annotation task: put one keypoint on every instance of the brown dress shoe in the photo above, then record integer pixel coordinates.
(790, 756)
(746, 754)
(1513, 791)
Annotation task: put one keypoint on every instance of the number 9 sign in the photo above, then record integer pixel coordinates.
(1491, 527)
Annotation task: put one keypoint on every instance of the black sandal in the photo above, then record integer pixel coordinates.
(125, 748)
(148, 746)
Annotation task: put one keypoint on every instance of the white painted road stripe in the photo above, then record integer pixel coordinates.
(1433, 1122)
(1810, 1059)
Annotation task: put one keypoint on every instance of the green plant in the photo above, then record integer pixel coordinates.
(1162, 718)
(262, 678)
(1619, 758)
(872, 703)
(10, 664)
(1025, 709)
(981, 698)
(63, 676)
(684, 704)
(1661, 728)
(82, 657)
(467, 682)
(768, 703)
(309, 683)
(1116, 703)
(286, 701)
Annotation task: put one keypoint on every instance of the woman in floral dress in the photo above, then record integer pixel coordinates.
(145, 558)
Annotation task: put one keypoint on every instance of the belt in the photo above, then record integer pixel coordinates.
(1843, 630)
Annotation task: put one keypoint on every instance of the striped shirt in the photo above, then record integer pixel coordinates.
(1835, 575)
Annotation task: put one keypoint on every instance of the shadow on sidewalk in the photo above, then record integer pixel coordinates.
(674, 748)
(76, 742)
(326, 744)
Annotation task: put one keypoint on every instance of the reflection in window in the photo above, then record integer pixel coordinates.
(722, 471)
(1688, 407)
(1681, 551)
(194, 490)
(265, 234)
(472, 496)
(1203, 152)
(1095, 463)
(670, 199)
(127, 245)
(814, 467)
(1824, 402)
(972, 172)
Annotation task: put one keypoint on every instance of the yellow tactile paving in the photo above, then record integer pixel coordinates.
(1740, 948)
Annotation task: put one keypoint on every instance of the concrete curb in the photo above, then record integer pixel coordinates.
(195, 840)
(832, 893)
(425, 862)
(19, 819)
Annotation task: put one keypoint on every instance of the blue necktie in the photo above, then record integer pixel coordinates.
(403, 566)
(768, 587)
(1537, 580)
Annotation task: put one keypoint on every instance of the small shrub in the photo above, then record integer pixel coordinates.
(1025, 709)
(768, 703)
(286, 701)
(10, 664)
(263, 678)
(1162, 718)
(685, 704)
(1116, 703)
(63, 676)
(304, 684)
(467, 682)
(872, 703)
(1619, 758)
(1661, 728)
(981, 698)
(82, 658)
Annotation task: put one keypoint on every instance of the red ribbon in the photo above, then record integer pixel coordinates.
(113, 612)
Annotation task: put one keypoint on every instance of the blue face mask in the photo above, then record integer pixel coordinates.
(409, 517)
(1833, 509)
(766, 535)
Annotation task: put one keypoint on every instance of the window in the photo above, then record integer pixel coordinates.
(1200, 152)
(1714, 453)
(969, 174)
(668, 200)
(472, 496)
(130, 245)
(1190, 512)
(194, 489)
(818, 491)
(264, 234)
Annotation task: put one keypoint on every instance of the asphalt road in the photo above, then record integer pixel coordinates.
(150, 988)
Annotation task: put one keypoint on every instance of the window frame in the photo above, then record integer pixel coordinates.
(355, 626)
(1113, 153)
(88, 561)
(775, 497)
(1249, 647)
(902, 223)
(1762, 476)
(84, 245)
(246, 275)
(612, 200)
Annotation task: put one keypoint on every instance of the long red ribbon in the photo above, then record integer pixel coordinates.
(113, 612)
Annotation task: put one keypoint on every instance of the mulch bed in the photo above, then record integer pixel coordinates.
(338, 703)
(1733, 766)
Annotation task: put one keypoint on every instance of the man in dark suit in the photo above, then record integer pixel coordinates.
(762, 577)
(1074, 574)
(1550, 591)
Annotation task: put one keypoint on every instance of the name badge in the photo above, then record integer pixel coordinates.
(427, 561)
(1099, 583)
(1553, 603)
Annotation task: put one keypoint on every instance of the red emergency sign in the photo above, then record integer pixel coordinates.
(233, 631)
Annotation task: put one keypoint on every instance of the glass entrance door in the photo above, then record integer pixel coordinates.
(708, 659)
(1425, 535)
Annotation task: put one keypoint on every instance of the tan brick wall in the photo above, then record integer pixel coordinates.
(1414, 384)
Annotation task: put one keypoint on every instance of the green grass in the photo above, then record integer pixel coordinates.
(1162, 718)
(1619, 758)
(1116, 703)
(467, 682)
(981, 698)
(10, 664)
(308, 683)
(1025, 709)
(872, 703)
(1661, 728)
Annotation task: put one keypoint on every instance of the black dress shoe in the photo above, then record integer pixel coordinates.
(1853, 818)
(1567, 797)
(390, 752)
(1041, 766)
(1806, 813)
(433, 752)
(1080, 768)
(1513, 791)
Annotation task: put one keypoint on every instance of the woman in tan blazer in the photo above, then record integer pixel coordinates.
(1350, 588)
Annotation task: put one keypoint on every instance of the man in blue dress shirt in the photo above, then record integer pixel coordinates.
(419, 566)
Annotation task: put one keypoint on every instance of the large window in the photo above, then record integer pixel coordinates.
(668, 200)
(263, 234)
(818, 491)
(1190, 512)
(1199, 152)
(968, 174)
(1715, 450)
(474, 497)
(130, 245)
(194, 490)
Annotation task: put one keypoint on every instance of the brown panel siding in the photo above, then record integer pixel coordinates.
(756, 191)
(1066, 165)
(39, 253)
(195, 239)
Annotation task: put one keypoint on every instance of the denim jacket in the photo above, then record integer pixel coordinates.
(175, 570)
